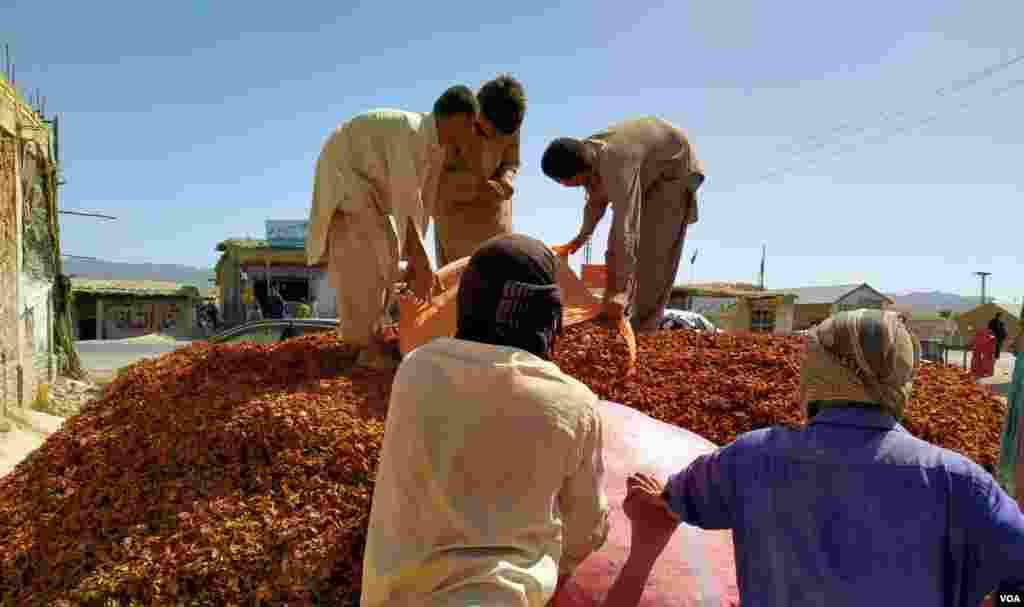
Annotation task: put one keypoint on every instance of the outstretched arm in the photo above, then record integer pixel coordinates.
(652, 524)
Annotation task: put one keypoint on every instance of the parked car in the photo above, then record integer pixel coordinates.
(685, 319)
(270, 331)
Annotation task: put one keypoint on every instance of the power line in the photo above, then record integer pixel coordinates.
(957, 86)
(883, 137)
(86, 214)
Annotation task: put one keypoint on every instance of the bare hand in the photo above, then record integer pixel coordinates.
(420, 281)
(613, 311)
(498, 191)
(564, 250)
(651, 519)
(568, 248)
(506, 185)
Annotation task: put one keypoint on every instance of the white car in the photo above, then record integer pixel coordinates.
(685, 319)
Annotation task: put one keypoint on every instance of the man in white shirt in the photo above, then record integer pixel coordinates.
(489, 489)
(376, 173)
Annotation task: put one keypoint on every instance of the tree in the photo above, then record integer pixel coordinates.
(946, 314)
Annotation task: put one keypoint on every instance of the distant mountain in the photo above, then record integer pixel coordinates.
(934, 301)
(112, 270)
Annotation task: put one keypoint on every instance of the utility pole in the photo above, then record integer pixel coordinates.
(983, 276)
(764, 251)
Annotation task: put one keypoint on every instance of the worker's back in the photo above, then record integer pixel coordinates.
(659, 147)
(482, 443)
(365, 139)
(854, 510)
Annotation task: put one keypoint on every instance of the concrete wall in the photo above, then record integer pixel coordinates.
(126, 317)
(8, 273)
(807, 315)
(37, 349)
(27, 259)
(122, 317)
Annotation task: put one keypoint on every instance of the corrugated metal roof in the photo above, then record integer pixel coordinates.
(242, 243)
(141, 288)
(822, 295)
(724, 289)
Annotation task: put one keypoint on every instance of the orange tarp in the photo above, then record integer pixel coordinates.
(421, 321)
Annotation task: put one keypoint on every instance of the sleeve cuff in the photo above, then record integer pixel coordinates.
(666, 494)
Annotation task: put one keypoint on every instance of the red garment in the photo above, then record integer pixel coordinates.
(983, 362)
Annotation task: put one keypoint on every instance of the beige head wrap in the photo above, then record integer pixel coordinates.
(865, 356)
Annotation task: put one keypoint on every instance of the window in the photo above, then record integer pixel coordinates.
(762, 321)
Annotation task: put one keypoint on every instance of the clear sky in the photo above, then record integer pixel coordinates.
(901, 157)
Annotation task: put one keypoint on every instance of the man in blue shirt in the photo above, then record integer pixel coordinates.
(852, 509)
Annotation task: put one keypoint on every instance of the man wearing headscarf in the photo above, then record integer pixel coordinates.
(852, 509)
(648, 172)
(489, 488)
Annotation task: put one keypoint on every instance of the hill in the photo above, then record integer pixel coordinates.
(111, 270)
(933, 301)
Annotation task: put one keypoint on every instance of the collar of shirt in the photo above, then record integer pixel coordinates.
(428, 134)
(859, 417)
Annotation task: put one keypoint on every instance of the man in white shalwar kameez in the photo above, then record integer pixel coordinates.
(376, 173)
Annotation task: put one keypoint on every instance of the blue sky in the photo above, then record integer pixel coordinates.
(194, 122)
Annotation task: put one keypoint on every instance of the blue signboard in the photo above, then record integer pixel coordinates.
(287, 234)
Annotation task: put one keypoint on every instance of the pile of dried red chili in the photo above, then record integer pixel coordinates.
(243, 474)
(223, 475)
(721, 385)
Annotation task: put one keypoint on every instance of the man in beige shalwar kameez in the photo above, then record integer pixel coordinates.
(475, 191)
(377, 173)
(647, 170)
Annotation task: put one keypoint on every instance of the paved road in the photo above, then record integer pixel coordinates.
(111, 355)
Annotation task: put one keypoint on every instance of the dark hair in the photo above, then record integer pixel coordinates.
(503, 103)
(458, 99)
(565, 158)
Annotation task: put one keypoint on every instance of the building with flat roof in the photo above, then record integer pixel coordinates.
(249, 267)
(119, 309)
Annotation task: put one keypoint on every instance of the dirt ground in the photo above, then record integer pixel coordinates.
(28, 430)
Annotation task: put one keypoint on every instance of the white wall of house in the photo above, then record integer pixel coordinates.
(37, 302)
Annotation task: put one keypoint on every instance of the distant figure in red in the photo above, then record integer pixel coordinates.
(983, 355)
